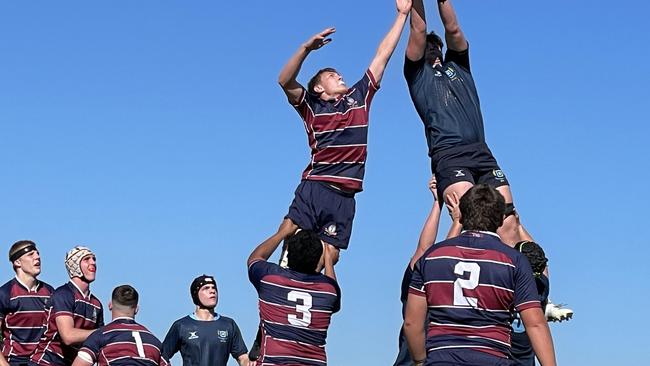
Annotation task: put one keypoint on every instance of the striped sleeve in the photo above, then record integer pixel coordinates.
(526, 295)
(416, 287)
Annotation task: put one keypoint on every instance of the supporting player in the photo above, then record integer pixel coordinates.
(467, 287)
(445, 97)
(427, 239)
(23, 301)
(335, 117)
(296, 304)
(123, 342)
(74, 312)
(205, 338)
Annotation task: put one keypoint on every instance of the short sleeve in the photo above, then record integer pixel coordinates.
(91, 347)
(238, 347)
(413, 70)
(257, 270)
(62, 303)
(337, 302)
(171, 344)
(416, 286)
(526, 295)
(364, 90)
(459, 58)
(4, 303)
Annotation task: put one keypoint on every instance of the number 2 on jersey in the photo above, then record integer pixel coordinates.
(468, 284)
(302, 309)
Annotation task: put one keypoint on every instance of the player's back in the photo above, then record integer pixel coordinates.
(473, 284)
(123, 342)
(295, 312)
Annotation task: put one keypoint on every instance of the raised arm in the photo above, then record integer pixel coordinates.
(388, 44)
(268, 246)
(453, 34)
(287, 78)
(418, 32)
(331, 256)
(453, 203)
(430, 229)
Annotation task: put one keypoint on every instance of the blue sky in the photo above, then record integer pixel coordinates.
(155, 133)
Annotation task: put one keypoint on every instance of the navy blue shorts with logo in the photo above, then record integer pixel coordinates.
(324, 209)
(472, 163)
(465, 357)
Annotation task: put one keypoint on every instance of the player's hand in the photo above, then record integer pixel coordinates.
(433, 187)
(453, 204)
(332, 254)
(403, 6)
(319, 40)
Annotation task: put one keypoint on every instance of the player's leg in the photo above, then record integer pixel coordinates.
(453, 180)
(509, 231)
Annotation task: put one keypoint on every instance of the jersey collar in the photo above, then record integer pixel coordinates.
(33, 289)
(482, 232)
(216, 317)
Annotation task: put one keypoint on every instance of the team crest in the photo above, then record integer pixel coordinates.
(193, 335)
(223, 336)
(330, 230)
(451, 73)
(498, 174)
(351, 102)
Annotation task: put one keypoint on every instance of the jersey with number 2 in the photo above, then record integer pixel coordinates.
(295, 313)
(473, 284)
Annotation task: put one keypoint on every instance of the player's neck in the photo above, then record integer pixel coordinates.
(204, 314)
(83, 286)
(29, 281)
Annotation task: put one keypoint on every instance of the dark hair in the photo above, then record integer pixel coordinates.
(535, 255)
(20, 248)
(482, 208)
(125, 295)
(316, 79)
(433, 47)
(304, 250)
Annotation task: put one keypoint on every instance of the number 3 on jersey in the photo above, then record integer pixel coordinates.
(303, 308)
(468, 284)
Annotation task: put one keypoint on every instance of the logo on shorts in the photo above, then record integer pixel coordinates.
(330, 230)
(193, 335)
(498, 174)
(351, 102)
(459, 173)
(223, 335)
(437, 74)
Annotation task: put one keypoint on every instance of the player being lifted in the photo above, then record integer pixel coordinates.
(445, 97)
(335, 117)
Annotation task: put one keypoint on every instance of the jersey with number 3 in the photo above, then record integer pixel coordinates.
(295, 313)
(120, 343)
(473, 284)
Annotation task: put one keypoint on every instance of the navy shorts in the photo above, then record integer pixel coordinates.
(465, 357)
(319, 207)
(472, 163)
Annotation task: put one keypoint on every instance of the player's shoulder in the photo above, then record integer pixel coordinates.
(47, 287)
(6, 287)
(64, 290)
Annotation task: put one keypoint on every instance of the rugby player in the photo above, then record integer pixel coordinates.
(23, 301)
(74, 312)
(122, 342)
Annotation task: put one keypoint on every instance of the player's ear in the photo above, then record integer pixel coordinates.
(318, 88)
(110, 305)
(137, 308)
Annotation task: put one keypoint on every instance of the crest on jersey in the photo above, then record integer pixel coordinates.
(193, 335)
(451, 73)
(223, 335)
(330, 230)
(351, 102)
(498, 174)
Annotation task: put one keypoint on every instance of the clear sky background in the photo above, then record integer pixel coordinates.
(155, 133)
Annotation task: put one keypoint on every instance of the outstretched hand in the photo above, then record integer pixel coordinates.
(404, 6)
(433, 187)
(319, 40)
(453, 203)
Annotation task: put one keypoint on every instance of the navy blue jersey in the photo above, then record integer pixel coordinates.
(204, 342)
(338, 134)
(295, 313)
(23, 314)
(86, 313)
(522, 349)
(446, 99)
(473, 284)
(123, 342)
